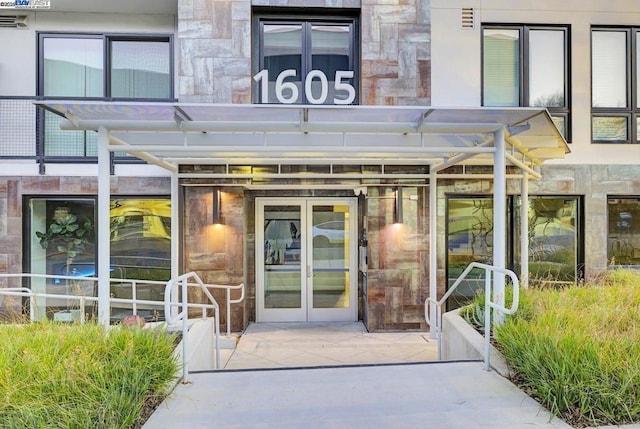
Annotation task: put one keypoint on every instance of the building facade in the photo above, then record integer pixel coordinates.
(311, 238)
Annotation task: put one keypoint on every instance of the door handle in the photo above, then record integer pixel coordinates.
(308, 271)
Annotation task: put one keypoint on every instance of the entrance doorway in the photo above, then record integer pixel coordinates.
(306, 259)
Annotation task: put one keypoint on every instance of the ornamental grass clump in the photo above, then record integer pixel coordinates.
(577, 350)
(82, 376)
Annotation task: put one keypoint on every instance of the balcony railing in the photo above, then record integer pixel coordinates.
(18, 134)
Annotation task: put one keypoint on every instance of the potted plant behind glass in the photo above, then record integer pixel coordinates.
(67, 234)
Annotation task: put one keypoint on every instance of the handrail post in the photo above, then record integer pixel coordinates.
(487, 317)
(185, 322)
(82, 308)
(228, 312)
(134, 296)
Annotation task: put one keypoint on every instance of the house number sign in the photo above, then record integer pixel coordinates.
(287, 92)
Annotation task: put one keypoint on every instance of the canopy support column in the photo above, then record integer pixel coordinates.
(433, 255)
(524, 230)
(103, 231)
(499, 220)
(175, 229)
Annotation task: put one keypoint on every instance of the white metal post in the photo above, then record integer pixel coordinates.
(433, 256)
(103, 234)
(524, 230)
(499, 220)
(175, 227)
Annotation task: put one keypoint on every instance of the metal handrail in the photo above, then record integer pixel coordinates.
(134, 301)
(229, 301)
(488, 304)
(183, 316)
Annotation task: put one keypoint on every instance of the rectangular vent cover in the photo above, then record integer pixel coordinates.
(467, 16)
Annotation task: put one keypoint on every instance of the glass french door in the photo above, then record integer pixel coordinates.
(306, 259)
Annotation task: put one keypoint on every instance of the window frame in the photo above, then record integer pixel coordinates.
(632, 111)
(107, 39)
(622, 239)
(524, 67)
(305, 17)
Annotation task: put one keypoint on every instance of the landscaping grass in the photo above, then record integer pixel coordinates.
(82, 376)
(577, 350)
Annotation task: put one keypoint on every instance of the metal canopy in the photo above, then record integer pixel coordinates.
(170, 134)
(184, 133)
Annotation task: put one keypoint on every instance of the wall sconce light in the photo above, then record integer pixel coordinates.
(217, 215)
(397, 206)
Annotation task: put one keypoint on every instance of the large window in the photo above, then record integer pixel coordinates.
(98, 67)
(615, 99)
(305, 61)
(623, 240)
(527, 66)
(62, 242)
(555, 234)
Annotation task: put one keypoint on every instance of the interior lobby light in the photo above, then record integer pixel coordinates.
(397, 206)
(217, 215)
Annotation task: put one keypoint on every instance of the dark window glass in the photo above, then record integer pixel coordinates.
(306, 61)
(623, 240)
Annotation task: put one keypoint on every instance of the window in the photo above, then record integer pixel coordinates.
(98, 67)
(527, 66)
(555, 236)
(615, 98)
(623, 240)
(305, 61)
(62, 242)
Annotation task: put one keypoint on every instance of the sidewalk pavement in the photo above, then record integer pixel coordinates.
(337, 375)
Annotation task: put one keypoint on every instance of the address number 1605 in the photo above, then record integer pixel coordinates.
(287, 92)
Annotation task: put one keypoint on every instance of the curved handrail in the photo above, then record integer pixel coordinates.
(488, 303)
(172, 319)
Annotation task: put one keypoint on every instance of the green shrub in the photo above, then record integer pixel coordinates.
(81, 376)
(577, 350)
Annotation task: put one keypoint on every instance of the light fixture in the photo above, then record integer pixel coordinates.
(217, 215)
(397, 206)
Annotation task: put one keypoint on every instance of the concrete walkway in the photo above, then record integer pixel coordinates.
(340, 376)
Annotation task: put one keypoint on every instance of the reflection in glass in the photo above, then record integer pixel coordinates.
(140, 69)
(553, 241)
(501, 67)
(73, 67)
(623, 239)
(469, 239)
(282, 268)
(62, 244)
(330, 53)
(546, 68)
(282, 50)
(561, 124)
(331, 237)
(610, 128)
(609, 68)
(140, 231)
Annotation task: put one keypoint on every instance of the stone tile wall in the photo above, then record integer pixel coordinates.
(216, 252)
(214, 49)
(398, 271)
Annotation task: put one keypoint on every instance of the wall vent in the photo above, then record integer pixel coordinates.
(13, 21)
(468, 21)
